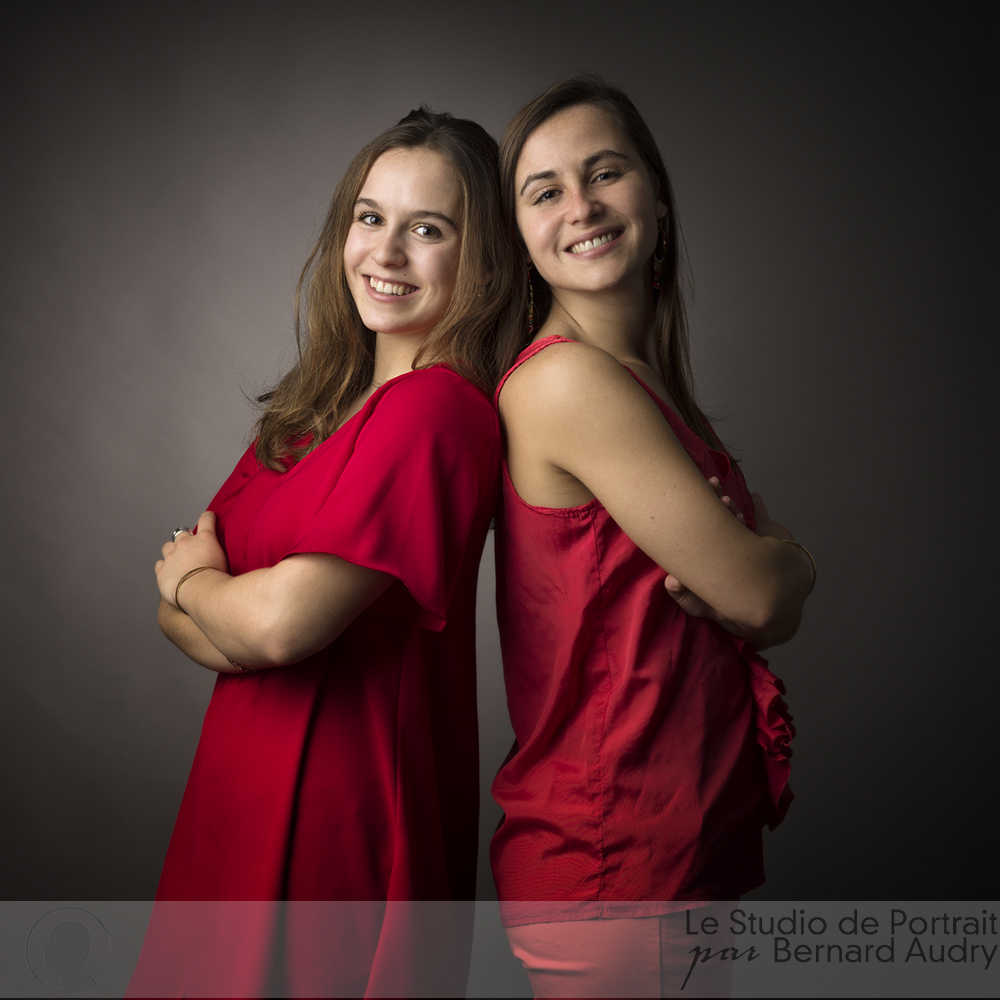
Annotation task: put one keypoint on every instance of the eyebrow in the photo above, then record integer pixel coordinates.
(424, 212)
(544, 175)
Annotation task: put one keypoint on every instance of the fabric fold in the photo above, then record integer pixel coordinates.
(774, 735)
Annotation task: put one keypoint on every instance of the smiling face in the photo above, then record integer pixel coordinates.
(586, 204)
(402, 250)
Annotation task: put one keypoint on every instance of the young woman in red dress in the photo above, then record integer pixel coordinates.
(637, 579)
(331, 585)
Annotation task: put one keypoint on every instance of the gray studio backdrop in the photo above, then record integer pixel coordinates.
(165, 169)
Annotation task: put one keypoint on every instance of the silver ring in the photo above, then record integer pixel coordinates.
(180, 531)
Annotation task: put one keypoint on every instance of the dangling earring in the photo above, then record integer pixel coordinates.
(658, 254)
(531, 303)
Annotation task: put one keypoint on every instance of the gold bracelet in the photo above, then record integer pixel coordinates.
(240, 667)
(187, 576)
(811, 560)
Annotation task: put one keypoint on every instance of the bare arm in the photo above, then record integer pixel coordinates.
(574, 412)
(695, 606)
(269, 617)
(190, 639)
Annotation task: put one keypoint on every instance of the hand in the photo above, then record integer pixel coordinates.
(187, 553)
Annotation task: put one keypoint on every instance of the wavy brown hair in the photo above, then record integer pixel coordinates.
(336, 351)
(669, 319)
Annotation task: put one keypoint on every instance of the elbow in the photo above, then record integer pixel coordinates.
(763, 620)
(282, 639)
(768, 613)
(279, 647)
(772, 621)
(780, 632)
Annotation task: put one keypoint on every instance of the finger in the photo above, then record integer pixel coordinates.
(713, 481)
(732, 508)
(158, 566)
(207, 522)
(674, 586)
(166, 549)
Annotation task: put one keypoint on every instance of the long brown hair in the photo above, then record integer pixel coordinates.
(669, 319)
(336, 351)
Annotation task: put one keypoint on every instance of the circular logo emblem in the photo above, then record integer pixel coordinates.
(68, 950)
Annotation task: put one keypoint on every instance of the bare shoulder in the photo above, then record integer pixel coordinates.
(579, 426)
(566, 379)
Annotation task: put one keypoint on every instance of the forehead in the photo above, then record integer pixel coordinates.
(569, 136)
(413, 180)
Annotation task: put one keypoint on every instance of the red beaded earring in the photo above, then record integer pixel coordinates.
(531, 302)
(658, 255)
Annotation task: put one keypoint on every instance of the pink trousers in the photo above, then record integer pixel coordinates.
(628, 956)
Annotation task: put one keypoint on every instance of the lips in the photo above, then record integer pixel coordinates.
(593, 242)
(388, 287)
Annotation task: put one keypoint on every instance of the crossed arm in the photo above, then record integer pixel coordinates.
(576, 420)
(694, 605)
(265, 618)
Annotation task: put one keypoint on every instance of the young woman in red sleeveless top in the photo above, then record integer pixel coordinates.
(637, 580)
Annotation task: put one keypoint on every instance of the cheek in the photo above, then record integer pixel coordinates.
(350, 257)
(355, 250)
(533, 234)
(447, 273)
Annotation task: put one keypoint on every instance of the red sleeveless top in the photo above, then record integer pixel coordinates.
(651, 746)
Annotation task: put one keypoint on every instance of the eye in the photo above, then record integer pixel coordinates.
(607, 174)
(369, 219)
(427, 230)
(546, 195)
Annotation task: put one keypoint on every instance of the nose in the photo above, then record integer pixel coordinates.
(389, 252)
(583, 204)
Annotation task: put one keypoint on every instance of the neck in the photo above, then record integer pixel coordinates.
(617, 320)
(395, 353)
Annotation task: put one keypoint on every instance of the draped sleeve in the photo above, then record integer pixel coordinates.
(417, 468)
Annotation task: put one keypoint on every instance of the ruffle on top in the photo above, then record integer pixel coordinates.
(774, 735)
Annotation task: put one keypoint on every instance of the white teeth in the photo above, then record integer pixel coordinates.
(590, 244)
(386, 289)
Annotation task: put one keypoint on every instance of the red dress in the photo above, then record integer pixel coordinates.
(353, 775)
(651, 745)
